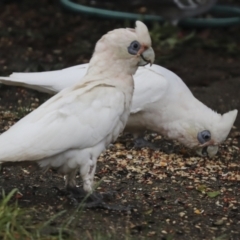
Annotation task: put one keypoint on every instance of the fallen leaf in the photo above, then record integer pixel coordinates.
(213, 194)
(201, 188)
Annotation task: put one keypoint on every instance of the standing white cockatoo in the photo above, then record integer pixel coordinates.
(162, 103)
(71, 129)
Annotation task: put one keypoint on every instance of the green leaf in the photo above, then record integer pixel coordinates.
(202, 188)
(213, 194)
(148, 212)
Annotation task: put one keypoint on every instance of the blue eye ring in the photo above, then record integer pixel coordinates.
(204, 136)
(134, 47)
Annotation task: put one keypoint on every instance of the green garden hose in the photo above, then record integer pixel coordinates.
(233, 12)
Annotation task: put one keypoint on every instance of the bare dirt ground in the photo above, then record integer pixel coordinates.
(171, 194)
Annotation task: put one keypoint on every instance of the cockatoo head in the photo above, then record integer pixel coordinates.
(204, 132)
(129, 48)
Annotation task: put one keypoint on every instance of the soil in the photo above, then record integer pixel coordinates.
(166, 195)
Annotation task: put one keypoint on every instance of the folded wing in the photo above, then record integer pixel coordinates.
(69, 120)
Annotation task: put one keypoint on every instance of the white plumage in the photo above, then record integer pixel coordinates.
(162, 103)
(71, 129)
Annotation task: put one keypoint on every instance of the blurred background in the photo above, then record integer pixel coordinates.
(42, 36)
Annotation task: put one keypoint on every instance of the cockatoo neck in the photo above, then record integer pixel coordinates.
(106, 64)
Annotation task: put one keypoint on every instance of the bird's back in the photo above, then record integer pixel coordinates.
(68, 120)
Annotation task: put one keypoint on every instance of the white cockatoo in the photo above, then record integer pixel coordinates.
(70, 130)
(162, 103)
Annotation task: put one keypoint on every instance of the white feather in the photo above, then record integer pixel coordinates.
(74, 114)
(50, 82)
(72, 128)
(161, 103)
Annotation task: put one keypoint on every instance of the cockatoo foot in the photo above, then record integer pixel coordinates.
(95, 200)
(141, 143)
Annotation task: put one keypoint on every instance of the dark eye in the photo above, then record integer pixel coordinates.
(134, 47)
(204, 136)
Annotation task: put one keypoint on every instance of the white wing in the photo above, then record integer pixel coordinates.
(150, 86)
(50, 82)
(151, 83)
(69, 120)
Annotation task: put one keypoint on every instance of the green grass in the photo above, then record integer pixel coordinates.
(17, 223)
(168, 36)
(21, 223)
(13, 222)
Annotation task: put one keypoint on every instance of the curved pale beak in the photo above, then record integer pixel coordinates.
(148, 56)
(208, 151)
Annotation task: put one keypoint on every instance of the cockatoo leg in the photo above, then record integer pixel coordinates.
(94, 200)
(87, 171)
(70, 180)
(87, 174)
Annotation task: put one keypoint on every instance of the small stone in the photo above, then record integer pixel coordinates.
(182, 214)
(197, 211)
(150, 234)
(219, 222)
(18, 195)
(107, 181)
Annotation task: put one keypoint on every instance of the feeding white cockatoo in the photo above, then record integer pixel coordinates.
(70, 130)
(162, 103)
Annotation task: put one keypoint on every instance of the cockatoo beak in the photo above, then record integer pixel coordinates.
(208, 151)
(147, 56)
